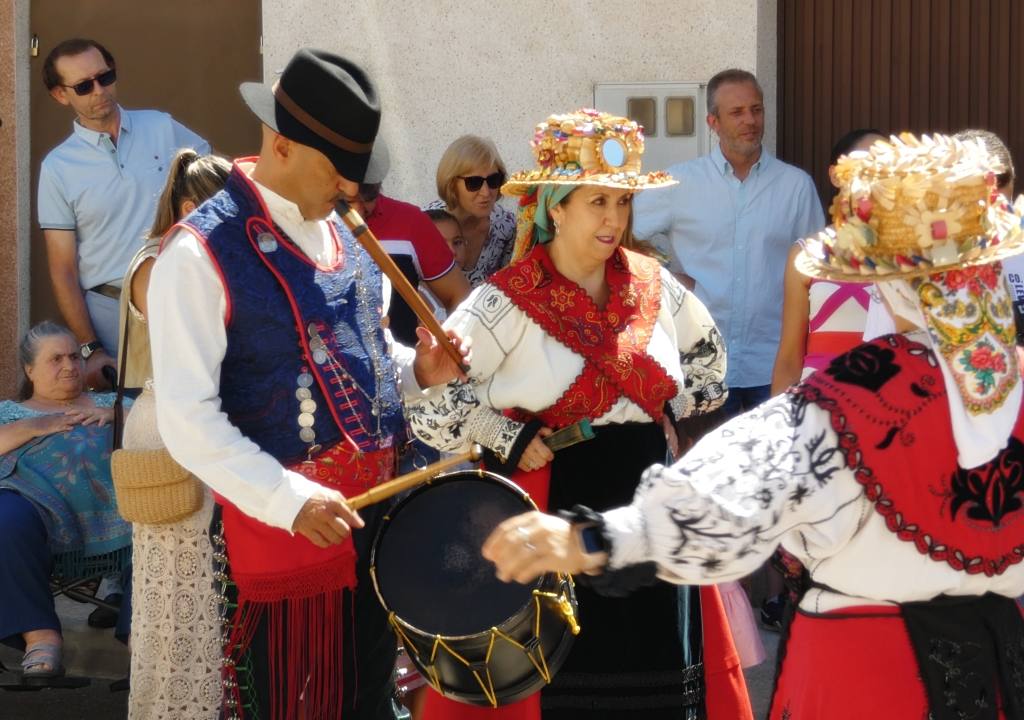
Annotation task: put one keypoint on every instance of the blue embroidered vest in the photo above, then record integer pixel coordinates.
(279, 303)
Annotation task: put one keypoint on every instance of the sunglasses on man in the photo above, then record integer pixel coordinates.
(475, 182)
(106, 78)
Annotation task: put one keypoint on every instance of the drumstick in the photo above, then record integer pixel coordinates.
(411, 480)
(415, 301)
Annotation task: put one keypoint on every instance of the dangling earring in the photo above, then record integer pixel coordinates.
(556, 227)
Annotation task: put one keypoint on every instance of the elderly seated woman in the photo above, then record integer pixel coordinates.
(56, 495)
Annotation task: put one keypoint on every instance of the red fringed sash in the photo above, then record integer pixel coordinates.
(298, 588)
(612, 342)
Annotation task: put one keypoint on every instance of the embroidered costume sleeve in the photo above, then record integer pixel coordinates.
(454, 416)
(772, 475)
(451, 418)
(701, 351)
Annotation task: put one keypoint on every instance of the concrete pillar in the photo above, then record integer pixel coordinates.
(15, 193)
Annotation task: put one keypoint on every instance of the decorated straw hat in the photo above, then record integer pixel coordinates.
(587, 147)
(914, 206)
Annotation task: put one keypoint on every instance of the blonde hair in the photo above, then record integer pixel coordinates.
(464, 154)
(192, 177)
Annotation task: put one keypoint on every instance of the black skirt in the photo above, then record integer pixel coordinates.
(628, 657)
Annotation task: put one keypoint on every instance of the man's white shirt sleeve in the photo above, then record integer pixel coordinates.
(187, 305)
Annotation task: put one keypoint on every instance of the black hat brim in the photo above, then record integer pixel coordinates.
(260, 99)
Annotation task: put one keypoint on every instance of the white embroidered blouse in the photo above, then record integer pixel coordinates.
(516, 364)
(776, 476)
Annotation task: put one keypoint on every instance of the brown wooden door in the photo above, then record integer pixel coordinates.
(918, 65)
(185, 57)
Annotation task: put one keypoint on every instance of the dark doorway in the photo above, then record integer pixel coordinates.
(918, 65)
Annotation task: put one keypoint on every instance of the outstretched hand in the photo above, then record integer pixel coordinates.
(526, 546)
(433, 364)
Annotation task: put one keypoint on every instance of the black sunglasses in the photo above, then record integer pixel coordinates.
(475, 182)
(106, 78)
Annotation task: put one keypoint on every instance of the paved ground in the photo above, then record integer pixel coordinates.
(95, 653)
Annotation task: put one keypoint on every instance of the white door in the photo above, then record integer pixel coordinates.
(672, 113)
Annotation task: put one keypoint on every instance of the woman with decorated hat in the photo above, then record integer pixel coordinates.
(895, 475)
(579, 327)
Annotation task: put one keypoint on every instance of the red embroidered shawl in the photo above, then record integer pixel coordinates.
(613, 342)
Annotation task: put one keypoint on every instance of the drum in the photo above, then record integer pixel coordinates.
(475, 639)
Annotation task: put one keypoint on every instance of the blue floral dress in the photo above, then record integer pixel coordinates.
(66, 476)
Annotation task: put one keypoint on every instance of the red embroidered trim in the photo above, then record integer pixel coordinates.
(896, 519)
(613, 343)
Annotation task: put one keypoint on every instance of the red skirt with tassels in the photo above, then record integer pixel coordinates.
(295, 590)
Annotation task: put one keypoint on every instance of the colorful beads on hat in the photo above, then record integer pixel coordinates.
(915, 204)
(588, 146)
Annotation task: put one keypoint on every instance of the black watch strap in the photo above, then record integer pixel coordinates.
(591, 528)
(87, 349)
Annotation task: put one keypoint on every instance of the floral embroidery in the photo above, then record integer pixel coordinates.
(970, 318)
(973, 279)
(562, 298)
(992, 491)
(983, 361)
(867, 366)
(613, 342)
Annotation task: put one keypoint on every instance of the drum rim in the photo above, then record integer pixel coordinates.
(440, 479)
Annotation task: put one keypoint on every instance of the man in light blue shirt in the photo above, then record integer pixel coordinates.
(729, 225)
(98, 192)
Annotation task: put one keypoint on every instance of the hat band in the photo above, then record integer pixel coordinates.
(317, 127)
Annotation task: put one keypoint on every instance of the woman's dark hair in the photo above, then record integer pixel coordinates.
(848, 141)
(28, 349)
(74, 46)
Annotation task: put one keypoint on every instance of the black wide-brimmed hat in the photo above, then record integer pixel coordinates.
(324, 101)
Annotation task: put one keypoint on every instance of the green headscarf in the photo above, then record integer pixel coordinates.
(534, 224)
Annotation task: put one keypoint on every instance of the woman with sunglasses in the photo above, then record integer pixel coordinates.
(582, 327)
(469, 179)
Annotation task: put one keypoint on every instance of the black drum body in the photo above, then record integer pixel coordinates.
(475, 639)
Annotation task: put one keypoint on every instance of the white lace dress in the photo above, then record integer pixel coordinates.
(176, 627)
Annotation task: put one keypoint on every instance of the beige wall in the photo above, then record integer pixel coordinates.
(14, 188)
(445, 68)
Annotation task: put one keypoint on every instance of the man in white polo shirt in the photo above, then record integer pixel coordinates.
(98, 191)
(730, 223)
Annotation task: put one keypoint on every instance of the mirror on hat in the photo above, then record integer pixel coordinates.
(613, 151)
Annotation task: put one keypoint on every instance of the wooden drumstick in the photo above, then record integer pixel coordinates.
(411, 480)
(372, 245)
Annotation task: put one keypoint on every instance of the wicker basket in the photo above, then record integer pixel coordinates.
(152, 488)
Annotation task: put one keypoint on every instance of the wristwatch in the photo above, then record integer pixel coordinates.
(89, 348)
(592, 539)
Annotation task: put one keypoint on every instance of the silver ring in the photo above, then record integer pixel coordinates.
(529, 546)
(524, 532)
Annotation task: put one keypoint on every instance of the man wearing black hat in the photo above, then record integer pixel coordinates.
(276, 387)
